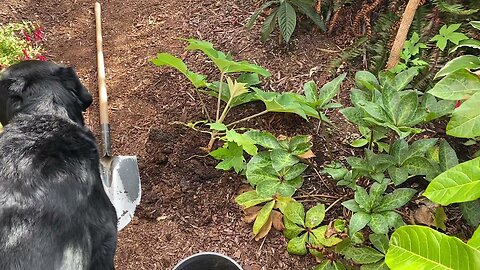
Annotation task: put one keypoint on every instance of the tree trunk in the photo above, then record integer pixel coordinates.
(402, 32)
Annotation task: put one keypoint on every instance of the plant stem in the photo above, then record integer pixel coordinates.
(219, 96)
(247, 118)
(225, 111)
(370, 143)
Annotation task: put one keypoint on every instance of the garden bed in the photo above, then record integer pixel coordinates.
(188, 205)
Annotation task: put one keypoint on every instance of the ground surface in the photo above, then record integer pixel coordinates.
(187, 205)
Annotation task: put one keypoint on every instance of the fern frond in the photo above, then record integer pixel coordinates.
(355, 50)
(455, 9)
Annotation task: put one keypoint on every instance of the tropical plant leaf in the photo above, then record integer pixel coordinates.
(231, 155)
(297, 245)
(315, 216)
(257, 12)
(457, 86)
(358, 221)
(307, 8)
(459, 184)
(459, 63)
(287, 20)
(379, 241)
(470, 212)
(295, 212)
(166, 59)
(408, 250)
(363, 255)
(465, 121)
(282, 159)
(330, 89)
(251, 198)
(263, 217)
(378, 223)
(398, 198)
(263, 138)
(268, 26)
(475, 240)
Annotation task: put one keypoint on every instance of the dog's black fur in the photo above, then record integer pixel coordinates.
(54, 212)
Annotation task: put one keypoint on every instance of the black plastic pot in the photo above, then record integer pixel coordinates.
(208, 261)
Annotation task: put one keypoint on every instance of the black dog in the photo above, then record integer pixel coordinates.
(54, 212)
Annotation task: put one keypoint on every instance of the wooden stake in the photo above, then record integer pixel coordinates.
(402, 32)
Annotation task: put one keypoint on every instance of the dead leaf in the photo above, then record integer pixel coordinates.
(265, 229)
(277, 219)
(330, 230)
(440, 218)
(251, 213)
(423, 216)
(244, 188)
(307, 155)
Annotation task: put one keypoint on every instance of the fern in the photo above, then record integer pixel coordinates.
(455, 9)
(355, 50)
(379, 47)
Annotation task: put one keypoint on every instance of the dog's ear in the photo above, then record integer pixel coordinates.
(70, 81)
(10, 98)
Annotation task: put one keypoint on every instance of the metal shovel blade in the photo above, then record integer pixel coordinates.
(121, 180)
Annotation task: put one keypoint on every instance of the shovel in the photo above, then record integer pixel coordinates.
(119, 174)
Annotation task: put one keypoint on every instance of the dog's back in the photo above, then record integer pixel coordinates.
(54, 213)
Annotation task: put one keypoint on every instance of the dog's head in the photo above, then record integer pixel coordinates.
(36, 87)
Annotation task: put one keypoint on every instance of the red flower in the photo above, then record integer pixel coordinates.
(457, 104)
(26, 36)
(25, 54)
(41, 57)
(38, 34)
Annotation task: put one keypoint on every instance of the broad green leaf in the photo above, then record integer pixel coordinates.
(420, 147)
(250, 79)
(359, 97)
(166, 59)
(315, 216)
(475, 240)
(475, 24)
(398, 175)
(330, 89)
(259, 169)
(470, 212)
(358, 221)
(402, 79)
(297, 245)
(263, 217)
(379, 241)
(461, 62)
(263, 138)
(236, 89)
(231, 155)
(268, 26)
(292, 230)
(299, 144)
(459, 184)
(286, 102)
(310, 91)
(355, 115)
(398, 198)
(405, 108)
(365, 80)
(295, 171)
(377, 190)
(394, 219)
(336, 170)
(472, 43)
(319, 236)
(380, 265)
(457, 86)
(447, 156)
(224, 62)
(282, 159)
(306, 8)
(269, 187)
(378, 223)
(352, 205)
(359, 142)
(465, 121)
(363, 255)
(363, 199)
(242, 140)
(287, 20)
(419, 247)
(251, 198)
(419, 166)
(295, 212)
(399, 151)
(375, 111)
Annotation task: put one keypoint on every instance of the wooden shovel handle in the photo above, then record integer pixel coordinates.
(102, 89)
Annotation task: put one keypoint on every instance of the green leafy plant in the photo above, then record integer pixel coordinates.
(304, 230)
(243, 89)
(386, 103)
(376, 209)
(460, 82)
(284, 13)
(448, 33)
(369, 257)
(409, 55)
(419, 247)
(372, 139)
